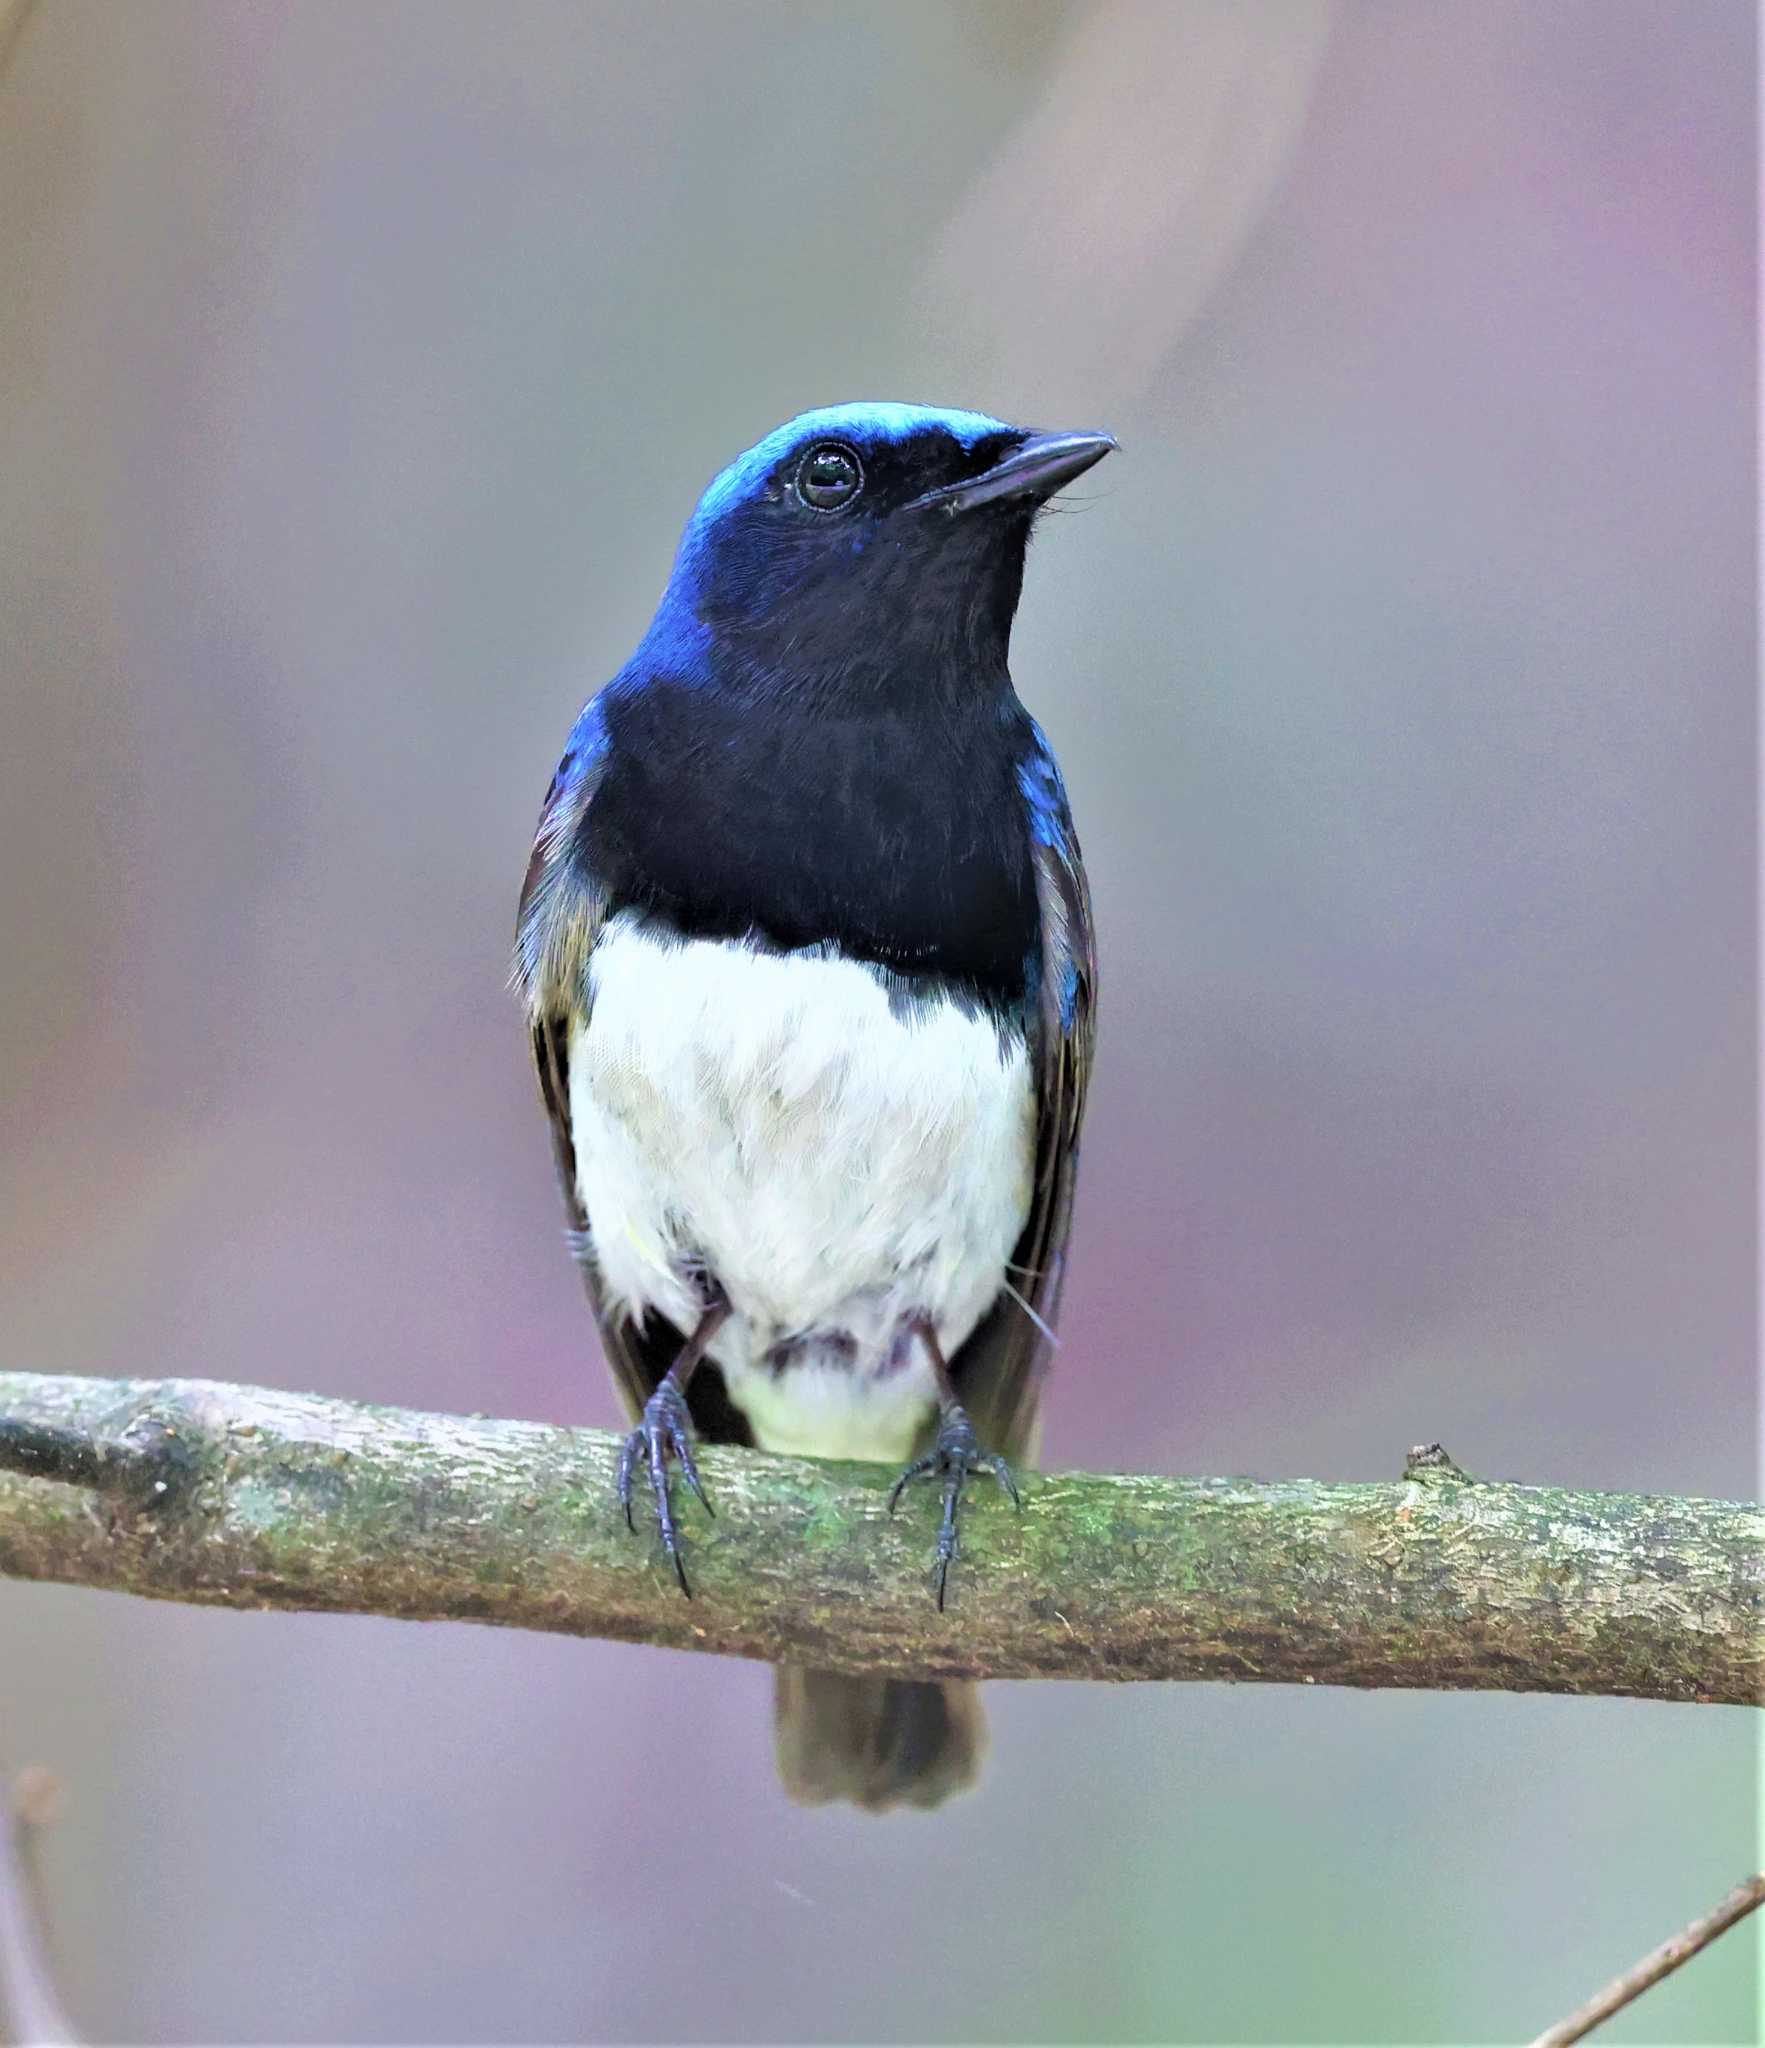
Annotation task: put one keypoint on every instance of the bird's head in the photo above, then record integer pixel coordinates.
(862, 544)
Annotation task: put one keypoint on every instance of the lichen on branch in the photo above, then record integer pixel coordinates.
(242, 1496)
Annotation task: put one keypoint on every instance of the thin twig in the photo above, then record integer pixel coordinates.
(31, 2014)
(13, 16)
(1661, 1962)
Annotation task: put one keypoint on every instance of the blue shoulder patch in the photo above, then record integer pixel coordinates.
(583, 750)
(1051, 826)
(1045, 793)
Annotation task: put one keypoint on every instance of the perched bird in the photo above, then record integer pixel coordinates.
(806, 949)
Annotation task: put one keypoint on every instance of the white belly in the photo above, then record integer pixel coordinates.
(838, 1164)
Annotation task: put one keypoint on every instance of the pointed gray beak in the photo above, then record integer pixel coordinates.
(1042, 465)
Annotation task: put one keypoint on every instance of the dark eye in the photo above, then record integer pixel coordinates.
(829, 477)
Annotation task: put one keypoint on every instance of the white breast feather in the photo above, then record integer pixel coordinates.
(837, 1164)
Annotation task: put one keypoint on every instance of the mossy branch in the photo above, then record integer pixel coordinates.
(244, 1497)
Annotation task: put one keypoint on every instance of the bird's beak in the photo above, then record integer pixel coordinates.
(1036, 469)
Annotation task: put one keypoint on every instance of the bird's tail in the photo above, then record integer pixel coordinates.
(879, 1742)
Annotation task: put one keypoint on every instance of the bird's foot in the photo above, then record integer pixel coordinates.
(955, 1453)
(666, 1429)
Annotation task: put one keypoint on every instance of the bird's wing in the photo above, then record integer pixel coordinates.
(562, 911)
(998, 1372)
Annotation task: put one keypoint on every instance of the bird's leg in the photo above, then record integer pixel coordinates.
(955, 1453)
(667, 1428)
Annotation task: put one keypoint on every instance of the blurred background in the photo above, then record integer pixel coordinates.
(359, 364)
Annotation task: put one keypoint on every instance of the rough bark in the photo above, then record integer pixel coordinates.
(244, 1497)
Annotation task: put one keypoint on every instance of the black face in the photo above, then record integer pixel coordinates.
(844, 549)
(868, 476)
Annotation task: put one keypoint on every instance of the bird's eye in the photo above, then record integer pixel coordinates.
(829, 477)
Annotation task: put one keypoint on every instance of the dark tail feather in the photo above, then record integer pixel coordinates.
(879, 1742)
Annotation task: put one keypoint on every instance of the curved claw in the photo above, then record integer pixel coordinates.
(636, 1446)
(917, 1470)
(955, 1454)
(683, 1450)
(1007, 1481)
(665, 1430)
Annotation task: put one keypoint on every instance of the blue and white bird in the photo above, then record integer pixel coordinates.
(806, 949)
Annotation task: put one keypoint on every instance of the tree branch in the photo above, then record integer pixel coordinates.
(1658, 1963)
(243, 1497)
(30, 2012)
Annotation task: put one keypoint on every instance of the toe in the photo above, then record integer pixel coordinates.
(628, 1457)
(689, 1471)
(1007, 1481)
(917, 1470)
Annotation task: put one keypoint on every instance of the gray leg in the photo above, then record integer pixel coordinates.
(667, 1428)
(955, 1453)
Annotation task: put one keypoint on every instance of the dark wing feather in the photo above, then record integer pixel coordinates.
(999, 1370)
(562, 912)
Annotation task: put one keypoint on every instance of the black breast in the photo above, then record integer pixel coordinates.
(899, 842)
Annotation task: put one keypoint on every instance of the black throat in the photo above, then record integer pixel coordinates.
(894, 830)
